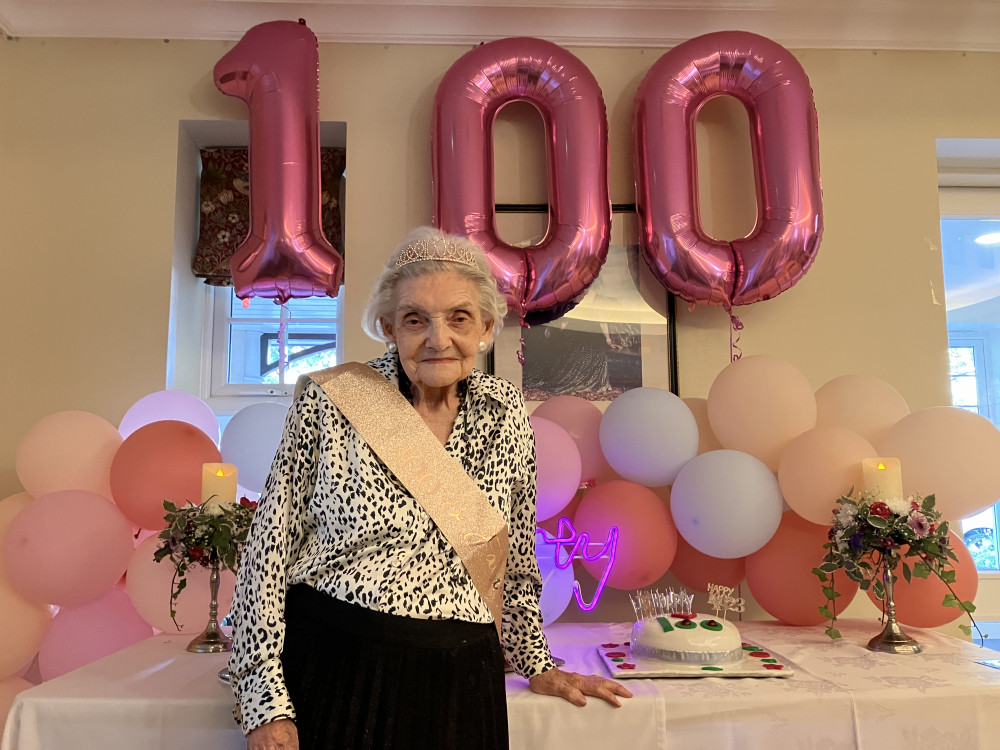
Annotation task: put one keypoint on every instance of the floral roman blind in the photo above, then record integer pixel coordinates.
(225, 208)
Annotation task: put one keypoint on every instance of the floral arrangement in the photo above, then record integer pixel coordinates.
(209, 534)
(871, 536)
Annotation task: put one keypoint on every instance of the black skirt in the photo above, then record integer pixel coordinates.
(363, 679)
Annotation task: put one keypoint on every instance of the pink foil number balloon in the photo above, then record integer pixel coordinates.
(543, 281)
(771, 84)
(275, 69)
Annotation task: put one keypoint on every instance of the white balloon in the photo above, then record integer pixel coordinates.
(647, 435)
(176, 405)
(726, 504)
(250, 440)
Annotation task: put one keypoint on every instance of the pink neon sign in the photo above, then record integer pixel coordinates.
(579, 546)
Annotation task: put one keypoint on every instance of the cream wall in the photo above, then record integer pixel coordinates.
(88, 161)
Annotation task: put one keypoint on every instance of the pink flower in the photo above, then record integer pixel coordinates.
(879, 509)
(918, 522)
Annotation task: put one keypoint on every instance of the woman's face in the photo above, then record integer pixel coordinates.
(437, 326)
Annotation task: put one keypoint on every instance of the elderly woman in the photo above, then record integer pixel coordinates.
(369, 595)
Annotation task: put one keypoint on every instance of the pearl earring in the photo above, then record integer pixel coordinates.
(391, 346)
(482, 346)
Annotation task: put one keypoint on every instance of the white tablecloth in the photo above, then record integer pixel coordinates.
(156, 695)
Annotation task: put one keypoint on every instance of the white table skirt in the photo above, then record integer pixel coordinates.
(154, 695)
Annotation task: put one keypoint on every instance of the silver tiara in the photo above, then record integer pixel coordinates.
(436, 248)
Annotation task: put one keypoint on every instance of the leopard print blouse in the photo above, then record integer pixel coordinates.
(334, 517)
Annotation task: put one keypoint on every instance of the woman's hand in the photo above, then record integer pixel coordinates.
(576, 687)
(280, 734)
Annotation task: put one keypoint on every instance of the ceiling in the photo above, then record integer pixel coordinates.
(968, 25)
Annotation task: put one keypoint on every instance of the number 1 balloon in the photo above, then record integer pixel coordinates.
(771, 84)
(274, 68)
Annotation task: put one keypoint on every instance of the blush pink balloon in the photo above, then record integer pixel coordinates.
(707, 441)
(919, 602)
(148, 585)
(696, 570)
(780, 575)
(758, 404)
(819, 466)
(949, 452)
(862, 403)
(766, 78)
(9, 688)
(67, 450)
(67, 548)
(88, 632)
(558, 465)
(175, 405)
(647, 538)
(542, 281)
(23, 624)
(161, 461)
(582, 420)
(274, 68)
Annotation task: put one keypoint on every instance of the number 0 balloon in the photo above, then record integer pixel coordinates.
(771, 84)
(543, 281)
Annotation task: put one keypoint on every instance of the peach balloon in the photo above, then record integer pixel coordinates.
(9, 688)
(647, 537)
(780, 575)
(22, 628)
(950, 453)
(707, 441)
(696, 570)
(67, 450)
(918, 603)
(91, 631)
(66, 548)
(758, 404)
(862, 403)
(160, 461)
(819, 466)
(582, 420)
(148, 586)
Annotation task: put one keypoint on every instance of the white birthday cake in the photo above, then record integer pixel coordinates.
(668, 630)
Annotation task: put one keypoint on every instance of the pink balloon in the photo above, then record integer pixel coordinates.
(67, 450)
(758, 404)
(780, 575)
(862, 403)
(67, 548)
(148, 586)
(949, 452)
(819, 466)
(696, 570)
(582, 420)
(543, 281)
(176, 405)
(558, 465)
(161, 461)
(771, 84)
(91, 631)
(274, 68)
(9, 688)
(918, 603)
(22, 627)
(647, 537)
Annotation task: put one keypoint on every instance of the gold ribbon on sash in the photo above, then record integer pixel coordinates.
(399, 436)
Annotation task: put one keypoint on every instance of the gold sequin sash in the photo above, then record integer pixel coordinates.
(400, 437)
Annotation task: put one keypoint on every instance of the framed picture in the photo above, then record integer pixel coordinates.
(620, 336)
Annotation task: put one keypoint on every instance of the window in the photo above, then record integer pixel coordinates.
(260, 348)
(968, 384)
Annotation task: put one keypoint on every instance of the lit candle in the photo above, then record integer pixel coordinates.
(218, 485)
(883, 477)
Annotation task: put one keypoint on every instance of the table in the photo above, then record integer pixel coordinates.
(155, 695)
